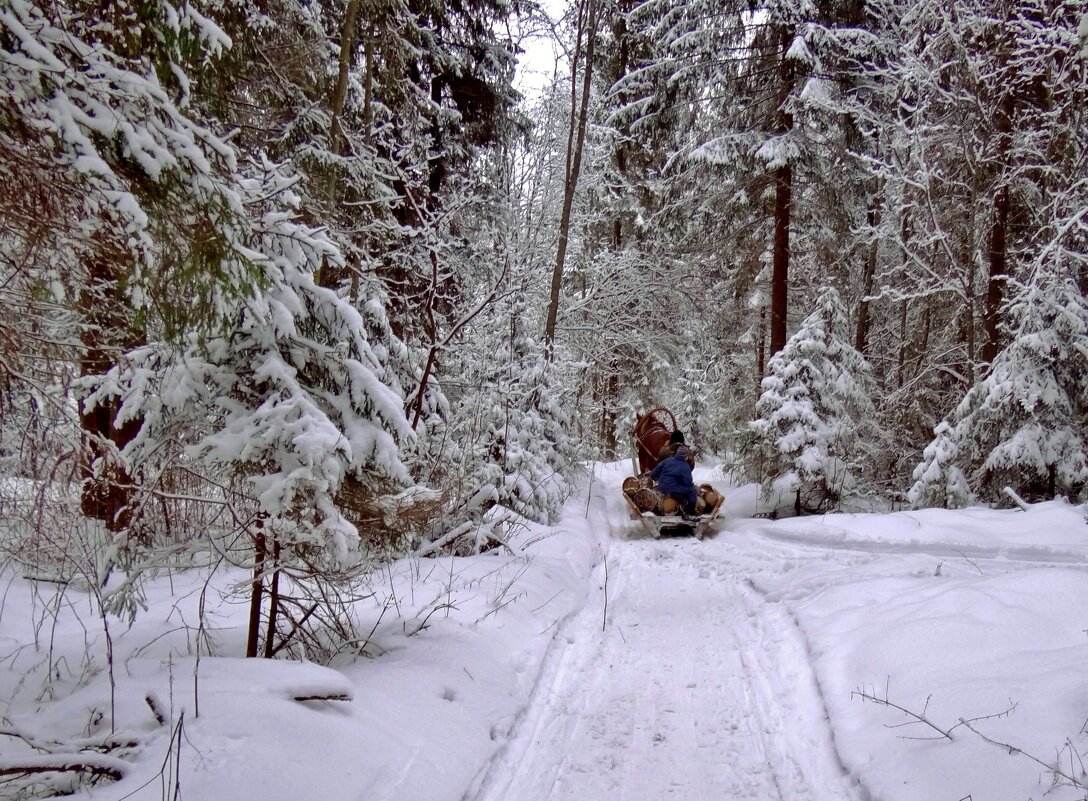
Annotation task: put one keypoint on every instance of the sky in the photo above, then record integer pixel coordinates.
(537, 64)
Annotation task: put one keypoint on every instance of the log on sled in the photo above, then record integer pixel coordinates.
(656, 516)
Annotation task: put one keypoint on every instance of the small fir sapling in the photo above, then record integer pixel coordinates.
(522, 454)
(937, 480)
(813, 403)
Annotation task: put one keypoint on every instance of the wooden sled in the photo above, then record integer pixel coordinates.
(657, 525)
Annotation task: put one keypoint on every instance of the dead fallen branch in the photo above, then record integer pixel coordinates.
(87, 764)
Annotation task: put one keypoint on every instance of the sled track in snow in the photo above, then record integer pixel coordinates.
(1032, 556)
(698, 689)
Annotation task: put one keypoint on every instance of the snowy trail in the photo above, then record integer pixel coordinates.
(701, 684)
(697, 689)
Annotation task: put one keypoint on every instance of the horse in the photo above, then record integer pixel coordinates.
(651, 435)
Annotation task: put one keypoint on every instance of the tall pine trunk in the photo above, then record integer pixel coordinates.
(576, 136)
(861, 340)
(783, 197)
(999, 233)
(783, 181)
(340, 91)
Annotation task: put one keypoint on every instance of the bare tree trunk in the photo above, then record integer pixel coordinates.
(921, 348)
(783, 181)
(340, 92)
(608, 413)
(998, 270)
(273, 602)
(368, 90)
(256, 593)
(968, 328)
(991, 319)
(783, 190)
(861, 341)
(901, 366)
(327, 275)
(761, 350)
(576, 135)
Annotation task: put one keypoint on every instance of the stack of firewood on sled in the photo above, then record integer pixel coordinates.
(643, 493)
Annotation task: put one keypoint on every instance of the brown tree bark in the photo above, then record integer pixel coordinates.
(995, 295)
(783, 181)
(608, 414)
(901, 361)
(761, 350)
(861, 340)
(256, 593)
(273, 602)
(106, 333)
(783, 191)
(999, 232)
(340, 92)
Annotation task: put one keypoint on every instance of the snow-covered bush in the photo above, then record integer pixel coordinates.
(291, 399)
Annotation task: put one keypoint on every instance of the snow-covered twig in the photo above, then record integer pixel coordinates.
(445, 539)
(1017, 499)
(920, 717)
(85, 763)
(1013, 750)
(970, 562)
(604, 616)
(917, 717)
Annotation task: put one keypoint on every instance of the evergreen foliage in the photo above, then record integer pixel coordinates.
(811, 412)
(1024, 424)
(519, 453)
(937, 480)
(271, 272)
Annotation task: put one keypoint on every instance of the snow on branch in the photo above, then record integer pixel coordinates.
(84, 763)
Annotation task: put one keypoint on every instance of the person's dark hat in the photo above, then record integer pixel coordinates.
(676, 437)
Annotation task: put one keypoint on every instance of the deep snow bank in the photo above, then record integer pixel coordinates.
(454, 648)
(973, 615)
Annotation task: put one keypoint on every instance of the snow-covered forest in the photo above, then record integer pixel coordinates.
(305, 302)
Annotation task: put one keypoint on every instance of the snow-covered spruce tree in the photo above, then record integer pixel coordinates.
(519, 454)
(811, 413)
(692, 386)
(207, 346)
(289, 407)
(389, 115)
(937, 480)
(95, 113)
(1025, 425)
(995, 129)
(750, 198)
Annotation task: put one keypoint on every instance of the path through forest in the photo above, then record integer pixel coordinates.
(697, 688)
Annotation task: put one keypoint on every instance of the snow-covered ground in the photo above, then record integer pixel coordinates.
(601, 664)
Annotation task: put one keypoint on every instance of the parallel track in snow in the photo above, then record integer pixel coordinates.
(697, 689)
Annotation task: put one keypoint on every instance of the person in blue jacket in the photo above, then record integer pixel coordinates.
(673, 476)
